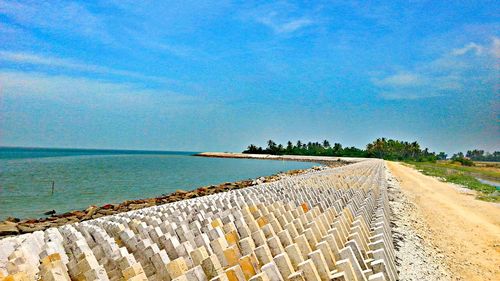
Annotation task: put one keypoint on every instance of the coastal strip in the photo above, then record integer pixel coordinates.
(15, 226)
(330, 224)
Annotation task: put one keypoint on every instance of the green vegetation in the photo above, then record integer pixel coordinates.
(480, 155)
(380, 148)
(463, 176)
(460, 170)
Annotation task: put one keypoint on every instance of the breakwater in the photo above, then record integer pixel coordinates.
(330, 224)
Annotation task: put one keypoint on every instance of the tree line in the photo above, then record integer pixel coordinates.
(383, 148)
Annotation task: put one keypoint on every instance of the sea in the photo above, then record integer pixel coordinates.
(36, 180)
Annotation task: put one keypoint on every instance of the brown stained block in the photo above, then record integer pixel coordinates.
(252, 208)
(232, 255)
(232, 237)
(51, 258)
(261, 221)
(304, 207)
(217, 222)
(132, 271)
(235, 273)
(20, 276)
(177, 267)
(249, 265)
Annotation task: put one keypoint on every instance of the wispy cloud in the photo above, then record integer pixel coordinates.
(69, 64)
(287, 26)
(399, 79)
(450, 73)
(281, 17)
(471, 47)
(57, 16)
(94, 93)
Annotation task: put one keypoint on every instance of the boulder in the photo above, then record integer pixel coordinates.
(8, 228)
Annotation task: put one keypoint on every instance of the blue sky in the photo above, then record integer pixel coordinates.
(218, 75)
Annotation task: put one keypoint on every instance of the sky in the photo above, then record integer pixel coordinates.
(219, 75)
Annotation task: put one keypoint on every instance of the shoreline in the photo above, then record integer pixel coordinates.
(299, 158)
(16, 226)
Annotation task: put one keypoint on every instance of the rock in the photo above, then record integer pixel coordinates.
(137, 206)
(11, 219)
(90, 211)
(8, 228)
(106, 212)
(78, 214)
(52, 212)
(28, 228)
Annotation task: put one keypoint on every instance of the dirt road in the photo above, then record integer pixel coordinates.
(466, 231)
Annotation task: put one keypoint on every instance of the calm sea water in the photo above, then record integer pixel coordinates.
(97, 177)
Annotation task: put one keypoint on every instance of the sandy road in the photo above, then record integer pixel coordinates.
(466, 231)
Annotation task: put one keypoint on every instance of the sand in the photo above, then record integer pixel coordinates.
(464, 231)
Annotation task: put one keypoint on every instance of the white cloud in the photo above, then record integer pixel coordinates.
(449, 74)
(91, 92)
(495, 48)
(281, 17)
(471, 47)
(56, 16)
(33, 59)
(288, 26)
(399, 79)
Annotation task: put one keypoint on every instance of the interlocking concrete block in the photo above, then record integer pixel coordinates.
(259, 277)
(295, 255)
(272, 272)
(249, 265)
(231, 255)
(309, 270)
(235, 273)
(263, 254)
(177, 267)
(198, 255)
(196, 274)
(211, 266)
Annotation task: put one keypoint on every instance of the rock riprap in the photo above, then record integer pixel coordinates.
(323, 225)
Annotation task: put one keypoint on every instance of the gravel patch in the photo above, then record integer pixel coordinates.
(416, 259)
